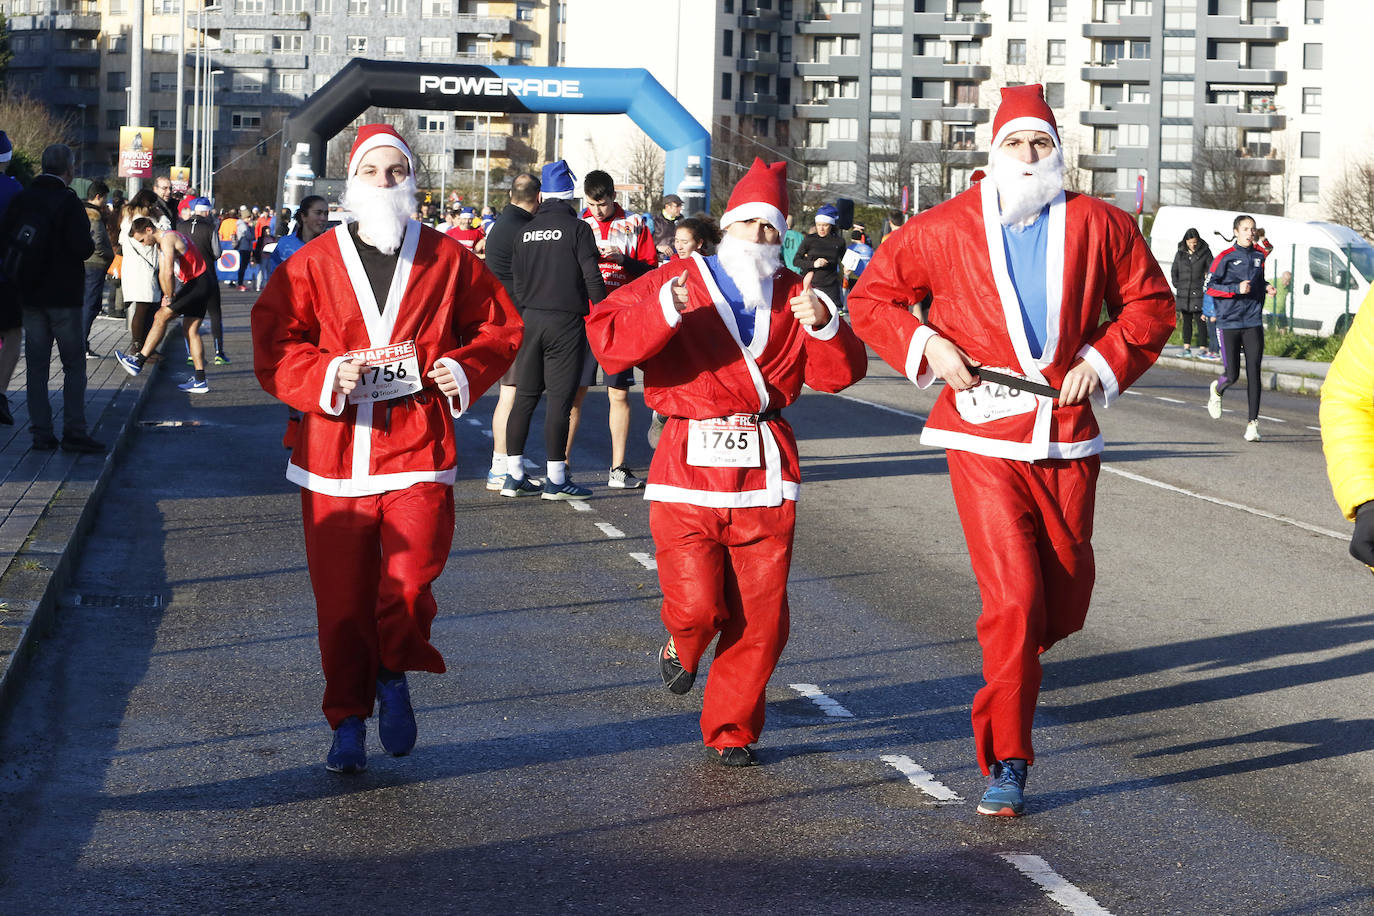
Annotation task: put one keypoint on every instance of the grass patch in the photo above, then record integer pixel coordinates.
(1298, 346)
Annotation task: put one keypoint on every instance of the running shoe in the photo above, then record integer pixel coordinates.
(565, 490)
(1006, 794)
(495, 479)
(91, 354)
(221, 359)
(128, 363)
(1187, 353)
(348, 753)
(192, 386)
(675, 677)
(1252, 431)
(736, 756)
(522, 487)
(622, 478)
(1214, 401)
(656, 428)
(395, 716)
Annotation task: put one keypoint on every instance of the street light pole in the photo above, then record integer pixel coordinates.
(210, 131)
(181, 85)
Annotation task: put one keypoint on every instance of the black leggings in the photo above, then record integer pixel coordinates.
(215, 313)
(1233, 340)
(1186, 320)
(550, 360)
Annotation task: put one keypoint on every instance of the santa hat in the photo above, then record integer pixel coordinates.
(827, 215)
(6, 148)
(200, 205)
(371, 136)
(762, 192)
(557, 182)
(1023, 108)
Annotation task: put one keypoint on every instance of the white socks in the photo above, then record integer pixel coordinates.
(558, 472)
(515, 466)
(498, 463)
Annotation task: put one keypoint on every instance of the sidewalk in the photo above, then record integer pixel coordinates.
(1277, 373)
(48, 499)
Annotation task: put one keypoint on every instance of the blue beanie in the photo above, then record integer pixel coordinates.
(827, 214)
(557, 181)
(6, 148)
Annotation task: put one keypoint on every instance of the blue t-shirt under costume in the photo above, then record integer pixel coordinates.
(744, 318)
(1027, 258)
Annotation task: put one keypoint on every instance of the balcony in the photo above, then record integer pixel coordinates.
(1230, 27)
(76, 60)
(965, 157)
(965, 114)
(1127, 27)
(76, 22)
(463, 139)
(74, 96)
(1230, 71)
(279, 22)
(831, 108)
(1256, 118)
(754, 20)
(1097, 160)
(1260, 165)
(1123, 113)
(758, 62)
(837, 66)
(476, 25)
(258, 60)
(1124, 70)
(837, 24)
(477, 58)
(937, 68)
(760, 106)
(960, 26)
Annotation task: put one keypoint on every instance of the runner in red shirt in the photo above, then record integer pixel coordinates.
(466, 234)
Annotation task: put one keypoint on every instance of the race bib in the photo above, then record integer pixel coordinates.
(723, 442)
(992, 401)
(391, 372)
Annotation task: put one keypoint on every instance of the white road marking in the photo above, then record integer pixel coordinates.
(644, 559)
(1272, 419)
(1059, 889)
(1136, 394)
(611, 531)
(1160, 397)
(900, 413)
(828, 705)
(920, 777)
(581, 505)
(1227, 503)
(1315, 428)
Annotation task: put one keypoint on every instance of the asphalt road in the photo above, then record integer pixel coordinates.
(1205, 745)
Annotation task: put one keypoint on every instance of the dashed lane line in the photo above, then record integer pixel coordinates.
(1315, 429)
(1060, 890)
(1271, 419)
(581, 505)
(644, 559)
(611, 531)
(921, 778)
(1160, 397)
(1139, 478)
(828, 705)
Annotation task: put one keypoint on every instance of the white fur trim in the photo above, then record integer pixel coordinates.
(916, 355)
(1111, 389)
(1013, 451)
(723, 499)
(1016, 124)
(752, 210)
(824, 220)
(665, 302)
(374, 141)
(556, 195)
(332, 402)
(828, 330)
(461, 378)
(368, 486)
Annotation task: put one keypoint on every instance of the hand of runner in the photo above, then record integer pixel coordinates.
(443, 377)
(950, 363)
(1080, 381)
(808, 308)
(346, 378)
(679, 287)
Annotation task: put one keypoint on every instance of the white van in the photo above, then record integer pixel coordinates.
(1319, 254)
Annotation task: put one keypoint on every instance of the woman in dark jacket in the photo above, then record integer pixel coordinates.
(1238, 287)
(1190, 279)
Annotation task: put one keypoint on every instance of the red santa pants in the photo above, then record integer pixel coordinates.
(1029, 530)
(725, 571)
(372, 560)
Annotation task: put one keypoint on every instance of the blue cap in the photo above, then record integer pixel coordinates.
(6, 148)
(827, 214)
(557, 181)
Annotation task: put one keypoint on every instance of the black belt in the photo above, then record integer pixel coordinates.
(1012, 381)
(758, 417)
(415, 397)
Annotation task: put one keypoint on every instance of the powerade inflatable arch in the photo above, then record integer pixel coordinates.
(541, 90)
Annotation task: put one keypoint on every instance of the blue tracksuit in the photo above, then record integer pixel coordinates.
(1235, 309)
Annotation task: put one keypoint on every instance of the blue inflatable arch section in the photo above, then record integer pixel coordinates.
(363, 83)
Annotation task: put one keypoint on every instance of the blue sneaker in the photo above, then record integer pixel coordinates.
(395, 716)
(128, 363)
(348, 753)
(522, 487)
(1006, 794)
(565, 490)
(494, 480)
(195, 387)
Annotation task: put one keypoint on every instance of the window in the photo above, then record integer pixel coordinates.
(961, 136)
(245, 120)
(393, 8)
(116, 80)
(394, 45)
(320, 80)
(1104, 140)
(1059, 10)
(1311, 145)
(1176, 143)
(1313, 12)
(1311, 100)
(292, 6)
(324, 6)
(1112, 10)
(524, 12)
(250, 7)
(324, 44)
(844, 129)
(248, 81)
(166, 7)
(291, 81)
(290, 43)
(163, 118)
(965, 93)
(117, 44)
(1109, 52)
(725, 91)
(1259, 143)
(247, 43)
(159, 81)
(887, 12)
(1175, 186)
(1312, 56)
(438, 9)
(431, 46)
(357, 7)
(357, 44)
(727, 43)
(887, 51)
(1179, 54)
(1054, 52)
(817, 132)
(164, 43)
(1054, 95)
(1016, 51)
(524, 50)
(1133, 135)
(1140, 50)
(114, 118)
(1180, 14)
(966, 52)
(432, 124)
(1178, 99)
(886, 93)
(1016, 10)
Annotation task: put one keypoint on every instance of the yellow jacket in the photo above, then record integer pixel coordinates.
(1347, 414)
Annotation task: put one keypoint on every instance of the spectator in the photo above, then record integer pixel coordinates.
(665, 225)
(200, 229)
(138, 266)
(696, 234)
(49, 278)
(856, 257)
(98, 264)
(820, 255)
(164, 204)
(244, 239)
(11, 318)
(1191, 263)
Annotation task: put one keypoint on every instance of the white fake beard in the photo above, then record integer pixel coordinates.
(382, 213)
(1023, 189)
(749, 264)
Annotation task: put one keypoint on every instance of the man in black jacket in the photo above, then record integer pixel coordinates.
(820, 255)
(98, 264)
(47, 239)
(556, 271)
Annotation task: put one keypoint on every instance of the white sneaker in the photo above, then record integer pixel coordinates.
(1252, 431)
(622, 478)
(1214, 401)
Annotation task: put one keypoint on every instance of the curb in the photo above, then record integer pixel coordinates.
(1270, 380)
(42, 569)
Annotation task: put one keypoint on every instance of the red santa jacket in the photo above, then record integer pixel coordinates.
(955, 252)
(696, 367)
(628, 236)
(319, 305)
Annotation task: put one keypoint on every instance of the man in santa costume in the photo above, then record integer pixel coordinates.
(379, 332)
(1019, 271)
(725, 344)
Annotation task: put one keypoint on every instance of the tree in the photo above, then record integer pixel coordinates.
(6, 54)
(1350, 201)
(31, 127)
(1227, 176)
(642, 164)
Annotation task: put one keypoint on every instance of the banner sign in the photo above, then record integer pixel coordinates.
(181, 179)
(136, 152)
